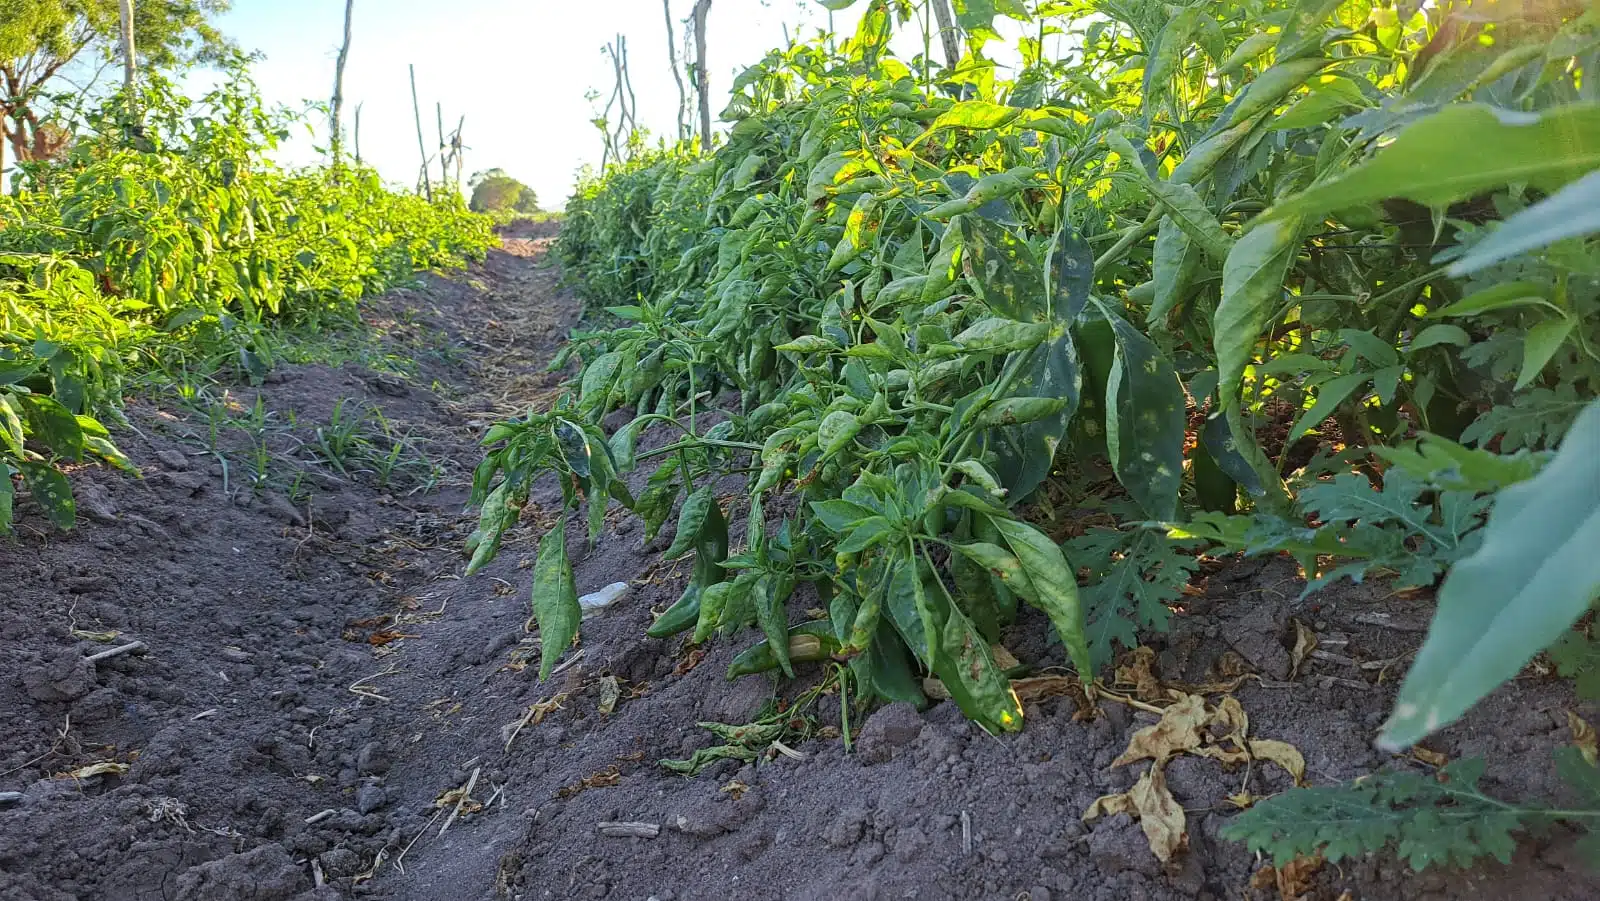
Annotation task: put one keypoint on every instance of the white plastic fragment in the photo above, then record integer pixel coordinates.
(596, 601)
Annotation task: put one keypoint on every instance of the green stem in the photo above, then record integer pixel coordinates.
(1131, 236)
(698, 442)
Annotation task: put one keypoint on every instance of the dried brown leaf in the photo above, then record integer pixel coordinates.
(1281, 753)
(1160, 816)
(103, 768)
(1230, 757)
(1305, 641)
(1179, 730)
(1429, 756)
(1037, 688)
(1003, 658)
(1243, 800)
(1583, 737)
(610, 693)
(1295, 878)
(1232, 719)
(1139, 672)
(1110, 805)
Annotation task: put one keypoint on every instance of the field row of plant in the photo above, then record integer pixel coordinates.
(1305, 276)
(177, 244)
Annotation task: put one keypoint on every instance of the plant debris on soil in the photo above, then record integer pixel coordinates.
(308, 701)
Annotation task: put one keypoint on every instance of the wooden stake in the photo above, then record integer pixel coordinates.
(358, 134)
(947, 32)
(334, 116)
(422, 147)
(444, 161)
(677, 76)
(130, 67)
(702, 80)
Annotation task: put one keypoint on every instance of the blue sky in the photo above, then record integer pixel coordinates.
(517, 69)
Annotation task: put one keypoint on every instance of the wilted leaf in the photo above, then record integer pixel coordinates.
(1178, 730)
(1281, 753)
(1584, 738)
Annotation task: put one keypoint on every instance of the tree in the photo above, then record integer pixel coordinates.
(494, 191)
(40, 39)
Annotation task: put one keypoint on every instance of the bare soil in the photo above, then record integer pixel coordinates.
(318, 684)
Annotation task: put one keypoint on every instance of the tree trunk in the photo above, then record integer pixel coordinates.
(672, 58)
(422, 146)
(335, 115)
(130, 64)
(947, 32)
(702, 80)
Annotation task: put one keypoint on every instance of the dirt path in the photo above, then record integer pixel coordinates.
(318, 687)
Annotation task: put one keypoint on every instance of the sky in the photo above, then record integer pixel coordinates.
(518, 70)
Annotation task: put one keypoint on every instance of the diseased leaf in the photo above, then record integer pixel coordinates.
(1145, 420)
(1053, 584)
(1071, 274)
(1049, 373)
(555, 598)
(1003, 270)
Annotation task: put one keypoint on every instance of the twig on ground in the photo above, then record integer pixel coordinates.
(132, 647)
(628, 830)
(399, 862)
(361, 688)
(466, 795)
(61, 737)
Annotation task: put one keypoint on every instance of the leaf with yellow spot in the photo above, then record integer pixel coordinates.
(1145, 419)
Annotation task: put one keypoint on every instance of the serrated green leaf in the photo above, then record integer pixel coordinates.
(1571, 212)
(1535, 573)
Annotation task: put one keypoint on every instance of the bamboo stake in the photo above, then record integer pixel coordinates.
(947, 32)
(444, 162)
(422, 147)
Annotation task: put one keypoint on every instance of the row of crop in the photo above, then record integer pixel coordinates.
(180, 242)
(1307, 277)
